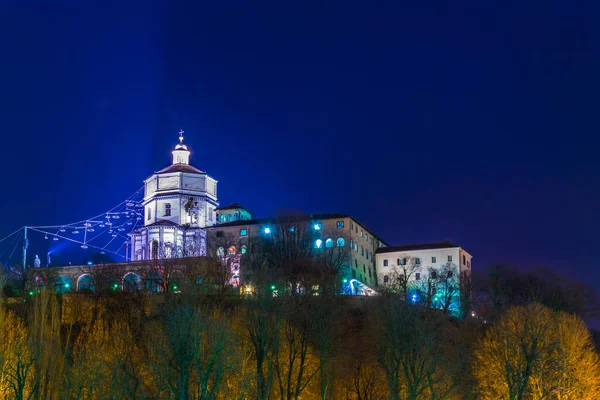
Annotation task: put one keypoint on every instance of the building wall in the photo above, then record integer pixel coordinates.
(361, 263)
(426, 261)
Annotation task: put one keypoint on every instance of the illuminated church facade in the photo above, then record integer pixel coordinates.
(179, 204)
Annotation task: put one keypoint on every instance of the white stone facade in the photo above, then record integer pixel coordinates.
(389, 261)
(179, 203)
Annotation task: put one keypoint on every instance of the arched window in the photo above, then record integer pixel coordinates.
(356, 247)
(329, 242)
(220, 252)
(244, 249)
(223, 218)
(341, 242)
(154, 250)
(167, 209)
(362, 251)
(318, 244)
(168, 250)
(149, 214)
(229, 217)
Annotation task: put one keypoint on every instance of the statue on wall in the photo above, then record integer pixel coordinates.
(37, 262)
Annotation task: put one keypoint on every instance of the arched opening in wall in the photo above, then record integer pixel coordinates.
(169, 253)
(131, 283)
(341, 242)
(153, 282)
(85, 283)
(329, 242)
(154, 250)
(244, 249)
(220, 251)
(63, 284)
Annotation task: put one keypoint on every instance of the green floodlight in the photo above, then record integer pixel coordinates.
(174, 287)
(273, 287)
(345, 280)
(115, 286)
(31, 293)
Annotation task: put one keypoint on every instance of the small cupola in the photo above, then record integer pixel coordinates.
(181, 154)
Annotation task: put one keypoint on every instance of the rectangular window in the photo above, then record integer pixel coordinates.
(243, 232)
(464, 259)
(385, 263)
(364, 269)
(356, 264)
(433, 275)
(351, 225)
(371, 240)
(149, 213)
(418, 276)
(433, 260)
(417, 261)
(386, 279)
(219, 233)
(370, 276)
(449, 274)
(167, 210)
(340, 224)
(402, 261)
(449, 258)
(354, 274)
(361, 233)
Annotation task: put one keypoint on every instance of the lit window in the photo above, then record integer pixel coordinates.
(361, 233)
(229, 218)
(449, 258)
(351, 243)
(223, 218)
(244, 249)
(402, 261)
(292, 228)
(167, 210)
(243, 232)
(341, 242)
(329, 242)
(418, 276)
(371, 257)
(433, 260)
(371, 240)
(318, 243)
(317, 226)
(220, 252)
(377, 245)
(340, 224)
(267, 230)
(417, 260)
(385, 263)
(355, 229)
(356, 247)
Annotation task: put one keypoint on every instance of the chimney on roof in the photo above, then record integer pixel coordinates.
(446, 241)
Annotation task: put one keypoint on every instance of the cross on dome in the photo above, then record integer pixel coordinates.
(181, 136)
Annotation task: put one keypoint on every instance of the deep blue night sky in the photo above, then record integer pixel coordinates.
(470, 122)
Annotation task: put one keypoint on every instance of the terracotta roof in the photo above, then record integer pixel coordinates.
(425, 246)
(180, 168)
